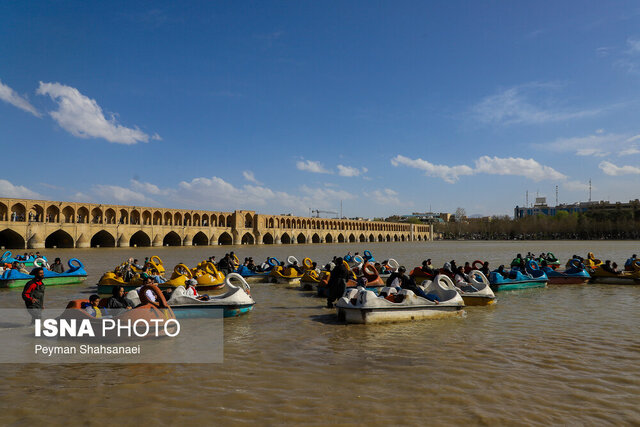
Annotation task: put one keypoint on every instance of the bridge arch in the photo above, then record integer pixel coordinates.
(225, 239)
(315, 238)
(10, 239)
(140, 238)
(200, 239)
(18, 212)
(103, 239)
(301, 238)
(247, 239)
(172, 239)
(59, 239)
(328, 238)
(267, 239)
(340, 238)
(285, 239)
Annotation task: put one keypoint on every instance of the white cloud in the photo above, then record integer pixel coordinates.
(633, 46)
(599, 144)
(8, 189)
(526, 104)
(145, 187)
(120, 194)
(311, 166)
(385, 196)
(515, 166)
(8, 95)
(249, 176)
(449, 174)
(350, 171)
(156, 137)
(610, 169)
(82, 116)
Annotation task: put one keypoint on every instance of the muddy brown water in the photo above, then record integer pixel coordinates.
(556, 355)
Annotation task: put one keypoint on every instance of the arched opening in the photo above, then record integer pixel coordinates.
(200, 239)
(267, 239)
(135, 218)
(270, 223)
(177, 219)
(3, 212)
(372, 238)
(18, 212)
(315, 238)
(380, 238)
(229, 221)
(172, 239)
(402, 237)
(328, 238)
(247, 239)
(221, 221)
(157, 218)
(196, 220)
(285, 239)
(110, 216)
(187, 220)
(301, 238)
(83, 215)
(36, 213)
(103, 239)
(340, 238)
(146, 218)
(68, 214)
(248, 221)
(288, 223)
(168, 219)
(9, 239)
(352, 238)
(362, 238)
(139, 238)
(124, 217)
(96, 216)
(396, 238)
(225, 239)
(388, 238)
(59, 239)
(214, 221)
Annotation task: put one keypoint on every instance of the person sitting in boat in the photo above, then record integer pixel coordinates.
(337, 282)
(295, 266)
(454, 266)
(427, 267)
(92, 306)
(628, 265)
(190, 288)
(467, 268)
(20, 267)
(461, 279)
(501, 272)
(57, 266)
(118, 301)
(485, 269)
(609, 268)
(225, 265)
(400, 280)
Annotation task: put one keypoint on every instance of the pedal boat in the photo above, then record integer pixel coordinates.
(623, 278)
(536, 278)
(576, 274)
(76, 274)
(7, 258)
(365, 307)
(232, 303)
(476, 292)
(146, 310)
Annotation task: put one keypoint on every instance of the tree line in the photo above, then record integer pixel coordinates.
(613, 224)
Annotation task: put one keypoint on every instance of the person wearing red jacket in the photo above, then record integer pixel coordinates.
(33, 294)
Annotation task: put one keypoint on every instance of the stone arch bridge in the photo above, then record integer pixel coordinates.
(38, 224)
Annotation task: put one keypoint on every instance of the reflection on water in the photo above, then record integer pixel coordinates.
(562, 355)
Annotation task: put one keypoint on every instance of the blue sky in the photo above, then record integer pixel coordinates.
(392, 107)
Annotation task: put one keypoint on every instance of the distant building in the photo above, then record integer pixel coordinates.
(425, 217)
(541, 208)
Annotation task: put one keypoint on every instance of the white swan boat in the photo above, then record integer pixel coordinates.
(476, 292)
(234, 302)
(362, 306)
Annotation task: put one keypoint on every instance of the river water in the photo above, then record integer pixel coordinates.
(556, 355)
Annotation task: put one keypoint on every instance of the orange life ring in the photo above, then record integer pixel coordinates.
(473, 264)
(161, 302)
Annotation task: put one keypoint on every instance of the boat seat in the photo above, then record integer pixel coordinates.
(351, 293)
(387, 290)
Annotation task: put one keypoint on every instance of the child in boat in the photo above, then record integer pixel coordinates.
(400, 280)
(92, 307)
(190, 288)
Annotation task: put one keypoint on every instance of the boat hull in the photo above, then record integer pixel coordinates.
(603, 280)
(193, 311)
(288, 281)
(397, 314)
(567, 280)
(478, 300)
(48, 281)
(519, 285)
